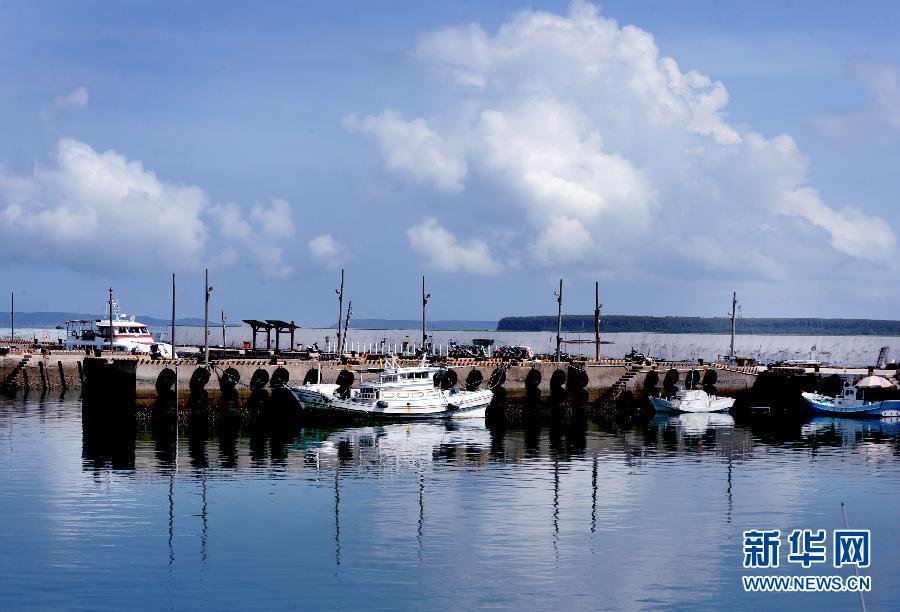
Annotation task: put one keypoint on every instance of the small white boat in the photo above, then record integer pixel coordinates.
(692, 400)
(396, 393)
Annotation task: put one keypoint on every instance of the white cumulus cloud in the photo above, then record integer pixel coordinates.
(443, 251)
(412, 148)
(92, 210)
(607, 154)
(327, 251)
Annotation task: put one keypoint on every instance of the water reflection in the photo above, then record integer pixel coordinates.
(405, 515)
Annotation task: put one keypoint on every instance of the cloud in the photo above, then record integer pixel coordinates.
(257, 235)
(443, 251)
(412, 148)
(882, 82)
(75, 99)
(327, 251)
(608, 156)
(92, 210)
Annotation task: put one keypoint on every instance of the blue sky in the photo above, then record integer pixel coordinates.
(489, 148)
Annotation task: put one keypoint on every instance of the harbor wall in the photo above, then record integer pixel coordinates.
(65, 370)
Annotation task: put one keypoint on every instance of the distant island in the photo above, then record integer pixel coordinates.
(706, 325)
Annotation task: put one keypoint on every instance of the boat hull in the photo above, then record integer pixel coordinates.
(715, 404)
(821, 404)
(460, 405)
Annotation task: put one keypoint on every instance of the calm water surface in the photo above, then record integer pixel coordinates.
(443, 516)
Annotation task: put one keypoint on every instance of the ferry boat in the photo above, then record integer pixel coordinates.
(692, 400)
(853, 402)
(400, 393)
(128, 335)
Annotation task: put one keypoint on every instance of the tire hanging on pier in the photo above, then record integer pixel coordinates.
(651, 380)
(474, 379)
(259, 379)
(199, 379)
(671, 378)
(576, 378)
(165, 381)
(533, 379)
(710, 378)
(449, 380)
(229, 379)
(557, 379)
(498, 377)
(280, 378)
(691, 379)
(312, 376)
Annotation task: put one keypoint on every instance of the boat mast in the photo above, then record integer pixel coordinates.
(559, 320)
(224, 323)
(340, 293)
(597, 307)
(172, 339)
(208, 293)
(733, 314)
(12, 316)
(425, 298)
(110, 321)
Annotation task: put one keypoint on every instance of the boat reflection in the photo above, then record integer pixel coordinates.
(849, 431)
(399, 445)
(694, 423)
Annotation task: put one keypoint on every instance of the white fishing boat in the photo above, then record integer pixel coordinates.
(128, 335)
(853, 400)
(692, 400)
(394, 392)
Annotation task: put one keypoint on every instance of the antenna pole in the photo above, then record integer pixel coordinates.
(172, 338)
(597, 307)
(110, 321)
(559, 320)
(340, 293)
(733, 314)
(224, 322)
(424, 303)
(207, 292)
(12, 316)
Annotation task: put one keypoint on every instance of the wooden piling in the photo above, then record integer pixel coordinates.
(43, 375)
(62, 376)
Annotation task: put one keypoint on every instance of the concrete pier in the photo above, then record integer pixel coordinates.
(60, 370)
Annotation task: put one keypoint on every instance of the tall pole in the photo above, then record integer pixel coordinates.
(172, 339)
(733, 314)
(207, 292)
(425, 298)
(224, 323)
(340, 293)
(12, 316)
(597, 307)
(559, 321)
(111, 329)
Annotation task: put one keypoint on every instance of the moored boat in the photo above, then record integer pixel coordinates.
(692, 400)
(853, 400)
(401, 393)
(128, 335)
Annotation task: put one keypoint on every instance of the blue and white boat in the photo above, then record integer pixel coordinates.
(852, 401)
